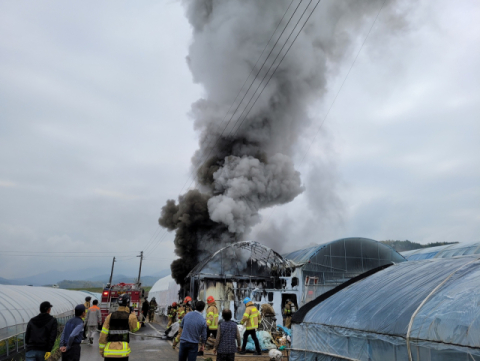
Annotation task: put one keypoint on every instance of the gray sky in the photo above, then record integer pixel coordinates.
(95, 134)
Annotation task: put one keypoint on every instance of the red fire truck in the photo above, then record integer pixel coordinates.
(111, 294)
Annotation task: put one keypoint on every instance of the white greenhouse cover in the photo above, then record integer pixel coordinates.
(18, 304)
(165, 291)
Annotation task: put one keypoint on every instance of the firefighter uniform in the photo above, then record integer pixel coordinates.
(172, 313)
(287, 314)
(250, 319)
(152, 309)
(114, 338)
(182, 311)
(212, 317)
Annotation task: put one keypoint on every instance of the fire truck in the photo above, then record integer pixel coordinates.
(111, 294)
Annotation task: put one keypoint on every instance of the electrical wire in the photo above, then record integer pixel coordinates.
(194, 172)
(334, 100)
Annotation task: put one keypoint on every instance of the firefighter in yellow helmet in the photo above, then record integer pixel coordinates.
(251, 318)
(114, 338)
(182, 311)
(212, 316)
(172, 313)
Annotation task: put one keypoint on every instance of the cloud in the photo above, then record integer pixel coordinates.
(7, 184)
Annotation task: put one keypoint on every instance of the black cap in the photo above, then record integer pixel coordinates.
(45, 306)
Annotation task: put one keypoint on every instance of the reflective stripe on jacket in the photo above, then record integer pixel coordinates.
(250, 317)
(116, 349)
(212, 316)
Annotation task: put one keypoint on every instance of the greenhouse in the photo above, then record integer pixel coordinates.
(323, 267)
(18, 304)
(446, 251)
(418, 310)
(165, 291)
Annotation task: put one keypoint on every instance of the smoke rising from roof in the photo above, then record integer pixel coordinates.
(246, 165)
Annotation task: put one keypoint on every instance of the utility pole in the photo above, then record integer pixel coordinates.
(140, 270)
(111, 273)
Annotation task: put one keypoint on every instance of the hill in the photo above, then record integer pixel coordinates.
(402, 246)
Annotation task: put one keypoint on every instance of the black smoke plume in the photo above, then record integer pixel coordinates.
(246, 165)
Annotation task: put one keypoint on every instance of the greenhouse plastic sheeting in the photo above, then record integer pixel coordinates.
(370, 319)
(18, 304)
(446, 251)
(165, 291)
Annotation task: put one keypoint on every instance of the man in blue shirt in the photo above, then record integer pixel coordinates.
(72, 336)
(194, 332)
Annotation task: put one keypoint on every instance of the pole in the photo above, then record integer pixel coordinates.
(111, 273)
(140, 270)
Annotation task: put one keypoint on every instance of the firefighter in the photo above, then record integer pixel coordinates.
(114, 338)
(287, 313)
(182, 311)
(212, 316)
(152, 309)
(145, 308)
(172, 313)
(251, 320)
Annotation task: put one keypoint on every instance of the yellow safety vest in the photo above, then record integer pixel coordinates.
(212, 317)
(124, 351)
(251, 313)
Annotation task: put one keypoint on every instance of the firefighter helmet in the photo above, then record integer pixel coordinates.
(187, 299)
(246, 300)
(174, 304)
(124, 300)
(210, 299)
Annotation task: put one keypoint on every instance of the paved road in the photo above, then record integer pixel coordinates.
(143, 348)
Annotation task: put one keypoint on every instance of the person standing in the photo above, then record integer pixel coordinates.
(41, 334)
(193, 330)
(152, 309)
(212, 316)
(227, 334)
(145, 308)
(92, 320)
(172, 313)
(183, 310)
(287, 314)
(250, 319)
(114, 338)
(72, 336)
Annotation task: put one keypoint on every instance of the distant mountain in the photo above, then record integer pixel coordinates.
(4, 281)
(95, 275)
(402, 246)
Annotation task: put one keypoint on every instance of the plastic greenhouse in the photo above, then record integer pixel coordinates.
(323, 267)
(165, 291)
(18, 304)
(419, 310)
(447, 251)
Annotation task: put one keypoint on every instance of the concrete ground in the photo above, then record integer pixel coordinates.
(147, 348)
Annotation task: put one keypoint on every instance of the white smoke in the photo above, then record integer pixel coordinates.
(246, 185)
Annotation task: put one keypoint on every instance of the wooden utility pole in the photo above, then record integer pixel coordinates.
(140, 270)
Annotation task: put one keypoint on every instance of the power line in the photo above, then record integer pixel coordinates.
(194, 173)
(335, 98)
(281, 60)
